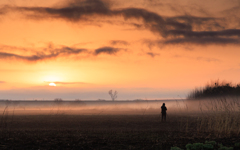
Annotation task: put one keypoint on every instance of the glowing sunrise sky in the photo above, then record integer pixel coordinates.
(146, 49)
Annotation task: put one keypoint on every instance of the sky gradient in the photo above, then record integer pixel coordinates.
(146, 49)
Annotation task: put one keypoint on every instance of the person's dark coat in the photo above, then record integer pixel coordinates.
(164, 109)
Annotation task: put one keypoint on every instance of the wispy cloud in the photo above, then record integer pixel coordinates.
(202, 34)
(38, 56)
(2, 82)
(106, 50)
(223, 41)
(152, 54)
(201, 41)
(13, 48)
(119, 42)
(208, 59)
(51, 52)
(74, 11)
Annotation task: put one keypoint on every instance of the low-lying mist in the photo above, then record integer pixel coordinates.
(141, 107)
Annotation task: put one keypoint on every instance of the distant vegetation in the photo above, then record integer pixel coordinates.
(58, 100)
(113, 94)
(215, 89)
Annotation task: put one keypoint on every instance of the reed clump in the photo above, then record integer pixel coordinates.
(220, 117)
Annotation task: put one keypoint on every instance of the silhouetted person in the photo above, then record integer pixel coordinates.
(164, 112)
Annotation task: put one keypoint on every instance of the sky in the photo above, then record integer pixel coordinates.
(143, 49)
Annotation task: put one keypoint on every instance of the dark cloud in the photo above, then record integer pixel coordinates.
(82, 10)
(201, 34)
(178, 29)
(106, 50)
(119, 42)
(50, 52)
(201, 41)
(152, 54)
(74, 11)
(4, 10)
(194, 40)
(64, 51)
(2, 82)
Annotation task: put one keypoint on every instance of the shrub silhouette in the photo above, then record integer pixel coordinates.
(215, 89)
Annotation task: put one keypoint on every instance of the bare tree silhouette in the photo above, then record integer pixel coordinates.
(113, 95)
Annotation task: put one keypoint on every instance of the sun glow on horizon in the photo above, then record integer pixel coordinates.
(52, 84)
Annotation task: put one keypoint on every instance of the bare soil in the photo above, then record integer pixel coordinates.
(102, 132)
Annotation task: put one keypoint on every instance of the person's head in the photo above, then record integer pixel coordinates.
(163, 104)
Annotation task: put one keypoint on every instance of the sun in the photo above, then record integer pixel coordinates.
(52, 84)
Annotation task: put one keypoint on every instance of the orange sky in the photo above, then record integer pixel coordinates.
(145, 49)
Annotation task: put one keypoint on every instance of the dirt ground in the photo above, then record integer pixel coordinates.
(102, 132)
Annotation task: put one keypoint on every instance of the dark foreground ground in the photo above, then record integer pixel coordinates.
(101, 132)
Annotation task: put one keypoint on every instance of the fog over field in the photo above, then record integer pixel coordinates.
(136, 107)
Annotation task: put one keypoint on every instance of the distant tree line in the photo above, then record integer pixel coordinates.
(215, 89)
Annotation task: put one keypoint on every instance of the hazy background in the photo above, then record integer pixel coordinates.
(92, 107)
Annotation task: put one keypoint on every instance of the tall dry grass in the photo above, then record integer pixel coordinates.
(220, 117)
(4, 117)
